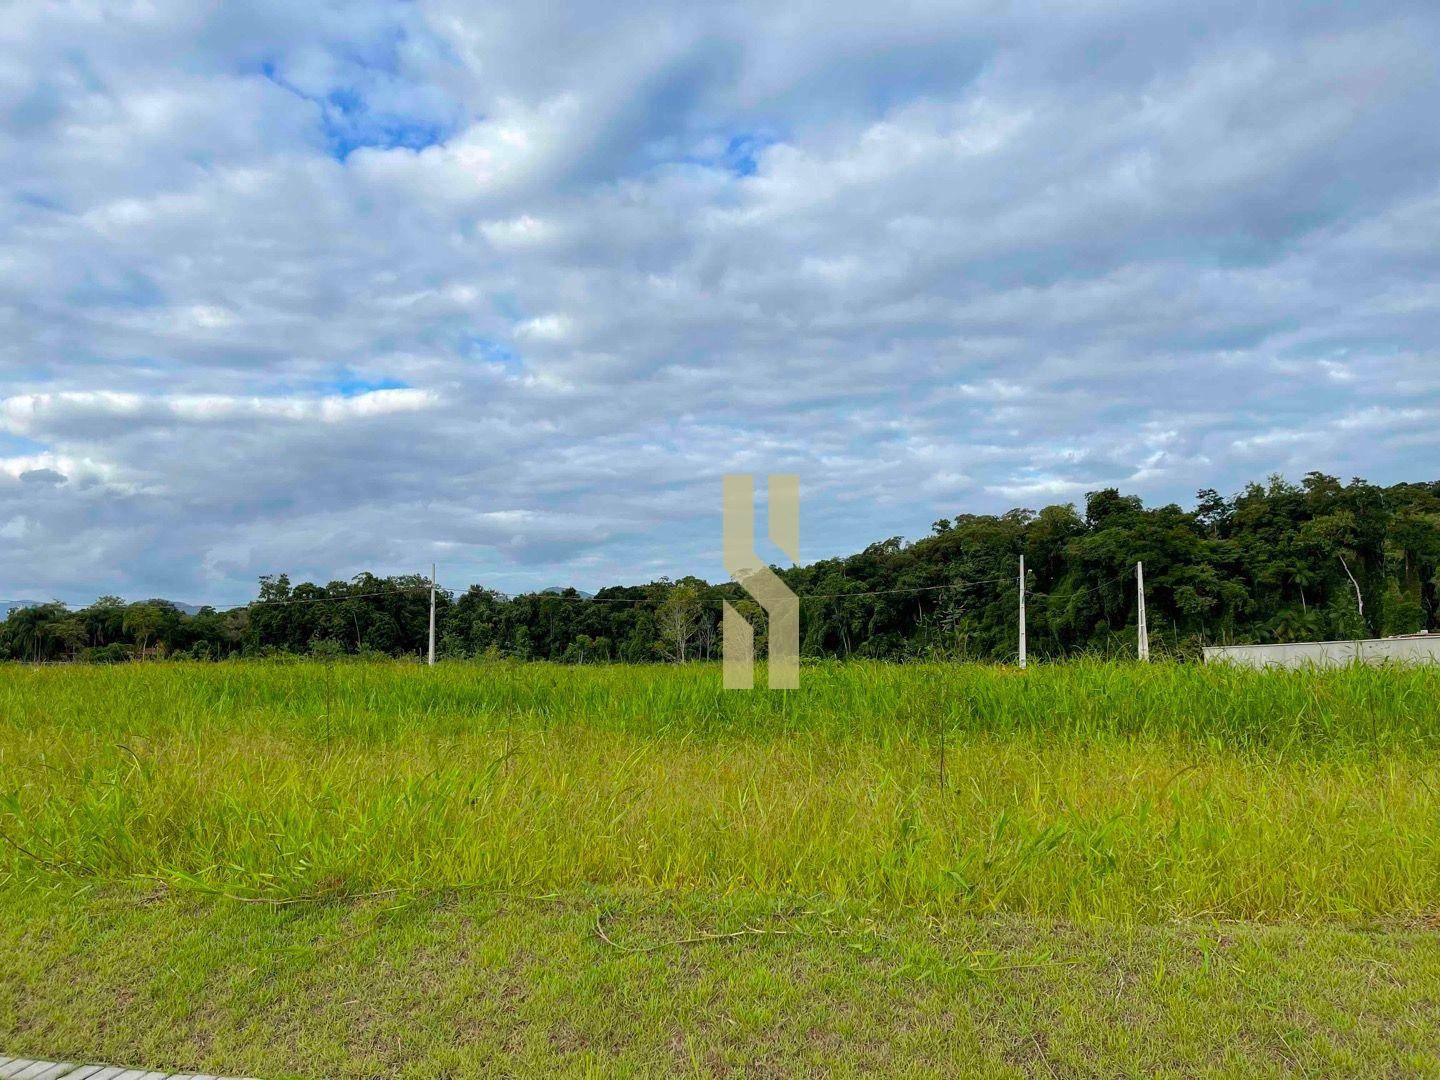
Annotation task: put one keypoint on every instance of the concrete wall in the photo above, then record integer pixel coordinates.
(1412, 649)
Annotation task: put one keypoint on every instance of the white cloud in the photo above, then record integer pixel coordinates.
(322, 289)
(40, 414)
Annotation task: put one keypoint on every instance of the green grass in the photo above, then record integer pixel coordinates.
(359, 870)
(478, 985)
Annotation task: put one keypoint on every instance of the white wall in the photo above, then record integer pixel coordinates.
(1413, 649)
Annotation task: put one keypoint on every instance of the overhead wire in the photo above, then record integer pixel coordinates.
(577, 598)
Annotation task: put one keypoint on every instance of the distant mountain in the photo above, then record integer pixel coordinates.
(556, 590)
(188, 609)
(7, 606)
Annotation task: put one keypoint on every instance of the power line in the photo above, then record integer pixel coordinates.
(798, 596)
(1096, 588)
(335, 599)
(402, 590)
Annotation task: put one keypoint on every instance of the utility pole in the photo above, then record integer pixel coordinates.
(1142, 629)
(1022, 611)
(432, 614)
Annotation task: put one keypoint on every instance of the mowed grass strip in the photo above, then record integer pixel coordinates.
(1089, 790)
(484, 985)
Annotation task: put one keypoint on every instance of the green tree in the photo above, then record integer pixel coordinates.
(678, 618)
(141, 623)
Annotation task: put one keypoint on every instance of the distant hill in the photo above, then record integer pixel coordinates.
(7, 606)
(556, 590)
(188, 609)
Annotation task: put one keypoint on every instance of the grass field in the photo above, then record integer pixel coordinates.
(384, 870)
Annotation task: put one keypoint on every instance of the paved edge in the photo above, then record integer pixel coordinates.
(29, 1069)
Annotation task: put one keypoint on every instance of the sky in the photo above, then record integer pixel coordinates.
(508, 287)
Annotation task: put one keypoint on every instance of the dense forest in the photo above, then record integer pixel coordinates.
(1277, 562)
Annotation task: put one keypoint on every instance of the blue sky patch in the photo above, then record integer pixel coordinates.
(349, 119)
(350, 386)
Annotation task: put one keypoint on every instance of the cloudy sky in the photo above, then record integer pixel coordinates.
(323, 287)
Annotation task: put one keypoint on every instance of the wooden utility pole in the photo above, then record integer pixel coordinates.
(432, 614)
(1142, 629)
(1022, 611)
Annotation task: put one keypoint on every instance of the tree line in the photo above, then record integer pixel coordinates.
(1278, 561)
